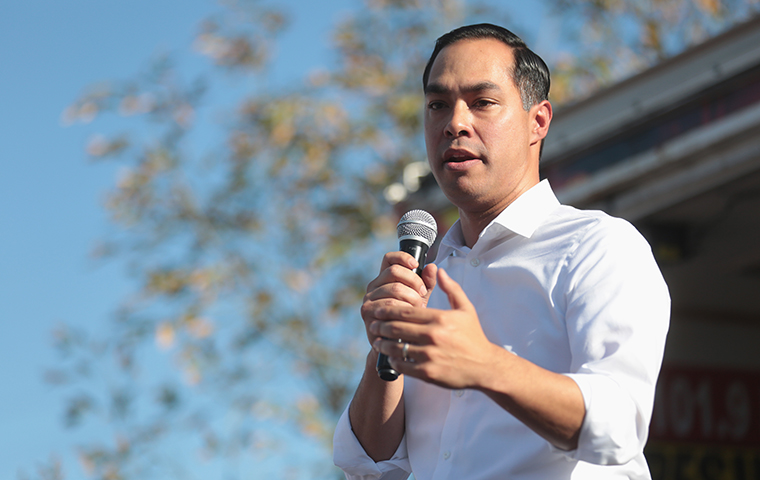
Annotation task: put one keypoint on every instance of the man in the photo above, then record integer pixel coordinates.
(532, 349)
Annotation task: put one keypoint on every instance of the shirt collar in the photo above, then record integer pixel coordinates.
(528, 211)
(523, 216)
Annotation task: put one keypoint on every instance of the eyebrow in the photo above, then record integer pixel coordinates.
(437, 88)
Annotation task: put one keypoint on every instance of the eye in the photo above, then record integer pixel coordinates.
(436, 105)
(483, 103)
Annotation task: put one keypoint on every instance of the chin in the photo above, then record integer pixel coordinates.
(463, 197)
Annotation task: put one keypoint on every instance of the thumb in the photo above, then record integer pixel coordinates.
(457, 298)
(429, 276)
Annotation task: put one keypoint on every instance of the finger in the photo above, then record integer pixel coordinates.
(412, 364)
(391, 294)
(393, 349)
(408, 332)
(400, 287)
(403, 367)
(398, 258)
(385, 346)
(400, 273)
(370, 310)
(457, 298)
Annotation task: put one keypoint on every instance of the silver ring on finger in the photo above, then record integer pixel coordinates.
(405, 351)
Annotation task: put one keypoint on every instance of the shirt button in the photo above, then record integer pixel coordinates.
(475, 262)
(446, 455)
(459, 393)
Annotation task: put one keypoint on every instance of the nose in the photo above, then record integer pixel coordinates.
(460, 122)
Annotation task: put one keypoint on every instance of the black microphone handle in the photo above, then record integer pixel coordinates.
(418, 250)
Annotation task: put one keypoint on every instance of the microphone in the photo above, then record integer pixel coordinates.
(416, 233)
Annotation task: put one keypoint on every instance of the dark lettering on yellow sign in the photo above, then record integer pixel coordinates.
(668, 461)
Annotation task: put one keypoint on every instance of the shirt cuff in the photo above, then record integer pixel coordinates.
(349, 456)
(614, 431)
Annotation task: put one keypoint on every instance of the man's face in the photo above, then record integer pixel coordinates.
(481, 143)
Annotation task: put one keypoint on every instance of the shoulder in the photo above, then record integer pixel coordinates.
(595, 234)
(594, 223)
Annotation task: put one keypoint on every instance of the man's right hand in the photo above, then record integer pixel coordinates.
(377, 409)
(397, 284)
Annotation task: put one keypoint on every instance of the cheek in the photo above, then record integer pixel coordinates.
(429, 128)
(504, 135)
(497, 137)
(430, 141)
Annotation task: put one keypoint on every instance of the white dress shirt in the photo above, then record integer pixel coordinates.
(575, 292)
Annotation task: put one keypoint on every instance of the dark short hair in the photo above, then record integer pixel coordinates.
(530, 73)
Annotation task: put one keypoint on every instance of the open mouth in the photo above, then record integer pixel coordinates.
(459, 160)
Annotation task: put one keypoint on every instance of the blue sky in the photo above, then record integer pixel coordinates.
(50, 212)
(50, 194)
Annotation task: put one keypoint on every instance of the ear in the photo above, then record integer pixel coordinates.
(541, 117)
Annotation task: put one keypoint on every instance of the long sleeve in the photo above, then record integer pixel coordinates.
(350, 457)
(618, 308)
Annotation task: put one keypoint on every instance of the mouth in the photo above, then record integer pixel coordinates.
(455, 159)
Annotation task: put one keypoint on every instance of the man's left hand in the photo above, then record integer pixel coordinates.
(445, 347)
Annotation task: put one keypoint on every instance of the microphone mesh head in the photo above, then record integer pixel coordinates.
(419, 225)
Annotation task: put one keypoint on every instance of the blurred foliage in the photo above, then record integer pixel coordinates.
(252, 237)
(612, 39)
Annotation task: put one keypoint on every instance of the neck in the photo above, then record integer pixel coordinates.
(474, 221)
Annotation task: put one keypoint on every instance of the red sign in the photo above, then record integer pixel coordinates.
(702, 405)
